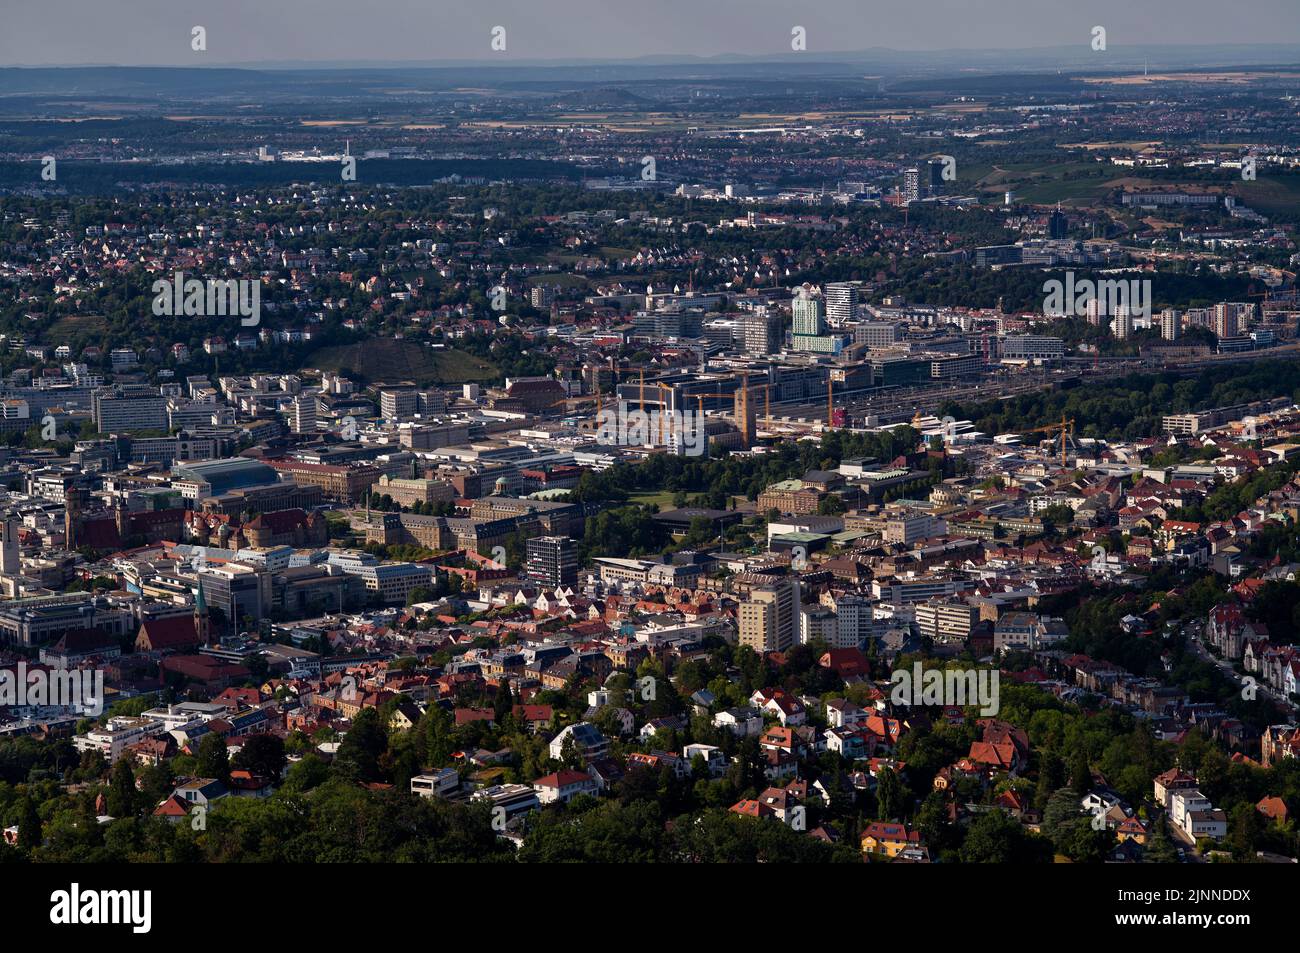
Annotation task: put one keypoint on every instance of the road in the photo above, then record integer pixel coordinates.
(1194, 631)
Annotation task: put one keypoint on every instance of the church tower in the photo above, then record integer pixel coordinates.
(71, 517)
(202, 624)
(122, 517)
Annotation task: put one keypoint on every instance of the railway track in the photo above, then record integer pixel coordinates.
(893, 406)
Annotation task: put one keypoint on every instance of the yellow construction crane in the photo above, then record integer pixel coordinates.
(613, 373)
(663, 415)
(1066, 429)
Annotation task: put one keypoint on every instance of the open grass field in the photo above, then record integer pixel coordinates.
(72, 324)
(663, 498)
(1066, 190)
(1070, 181)
(1132, 146)
(1270, 194)
(609, 251)
(391, 360)
(561, 280)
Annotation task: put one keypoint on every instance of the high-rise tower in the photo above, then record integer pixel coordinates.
(744, 413)
(10, 556)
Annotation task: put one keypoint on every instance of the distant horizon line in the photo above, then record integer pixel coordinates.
(786, 58)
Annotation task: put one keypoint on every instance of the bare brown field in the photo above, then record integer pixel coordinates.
(1091, 146)
(1227, 79)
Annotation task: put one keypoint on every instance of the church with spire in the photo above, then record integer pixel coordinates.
(178, 633)
(202, 623)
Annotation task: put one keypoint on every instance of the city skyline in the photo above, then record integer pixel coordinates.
(676, 434)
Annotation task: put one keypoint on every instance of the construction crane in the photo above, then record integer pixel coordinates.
(1277, 299)
(663, 415)
(1066, 429)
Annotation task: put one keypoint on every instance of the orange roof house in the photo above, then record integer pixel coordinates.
(752, 808)
(1274, 808)
(888, 839)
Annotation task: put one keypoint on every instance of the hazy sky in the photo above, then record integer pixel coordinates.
(143, 32)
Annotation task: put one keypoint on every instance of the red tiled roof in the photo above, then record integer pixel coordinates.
(751, 808)
(279, 521)
(562, 779)
(883, 831)
(172, 807)
(1272, 807)
(171, 632)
